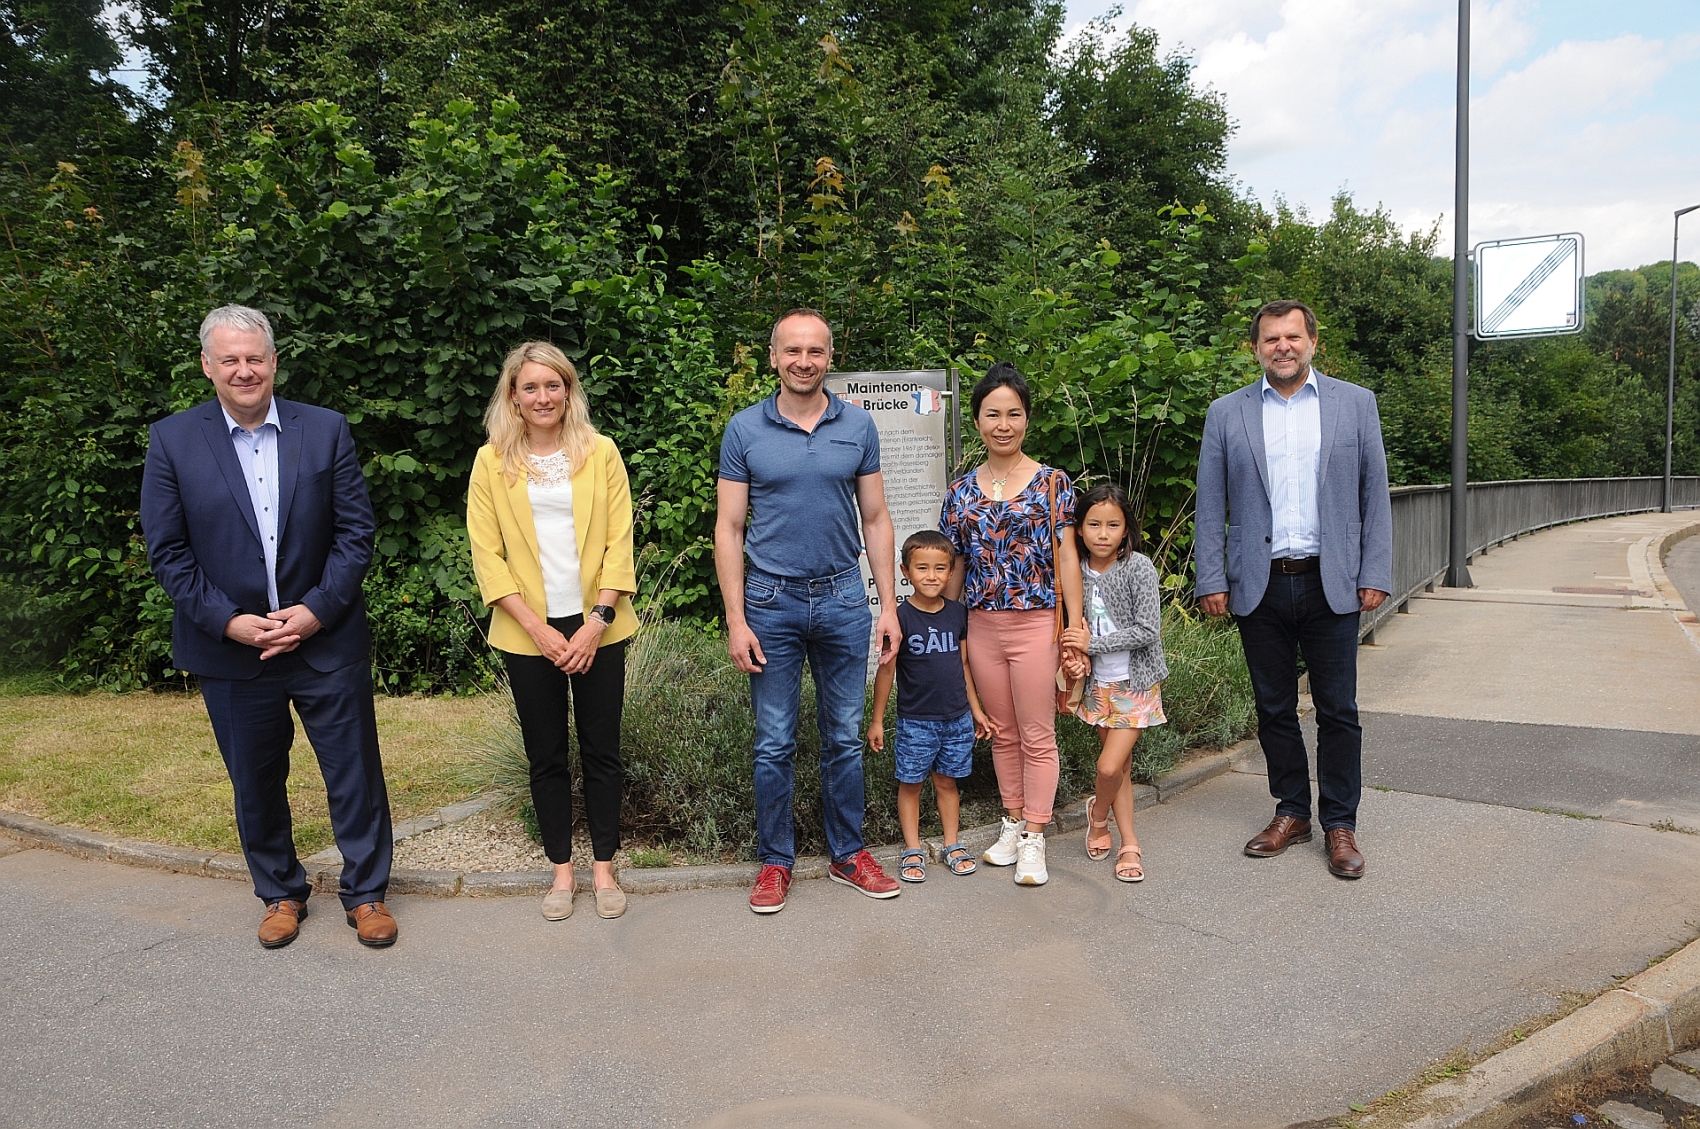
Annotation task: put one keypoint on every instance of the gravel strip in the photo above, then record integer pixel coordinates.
(481, 843)
(487, 843)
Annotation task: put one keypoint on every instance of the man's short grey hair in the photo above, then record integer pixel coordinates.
(245, 318)
(799, 312)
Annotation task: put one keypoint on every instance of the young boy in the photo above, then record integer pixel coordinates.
(938, 713)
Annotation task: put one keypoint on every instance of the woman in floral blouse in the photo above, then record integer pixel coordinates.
(1005, 519)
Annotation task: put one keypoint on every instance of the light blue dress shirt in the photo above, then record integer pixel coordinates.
(257, 452)
(1292, 444)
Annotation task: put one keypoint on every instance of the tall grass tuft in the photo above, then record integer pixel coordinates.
(687, 729)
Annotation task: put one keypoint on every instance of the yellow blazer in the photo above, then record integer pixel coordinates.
(504, 542)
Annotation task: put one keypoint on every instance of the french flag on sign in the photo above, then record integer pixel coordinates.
(927, 402)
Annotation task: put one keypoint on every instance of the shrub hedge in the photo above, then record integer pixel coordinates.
(688, 724)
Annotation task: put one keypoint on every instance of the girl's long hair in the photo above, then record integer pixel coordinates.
(1133, 540)
(506, 427)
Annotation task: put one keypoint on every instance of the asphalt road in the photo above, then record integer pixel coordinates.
(1682, 565)
(1619, 774)
(1224, 991)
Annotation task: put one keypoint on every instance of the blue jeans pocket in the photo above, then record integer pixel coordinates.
(851, 594)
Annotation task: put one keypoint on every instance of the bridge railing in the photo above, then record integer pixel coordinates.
(1500, 511)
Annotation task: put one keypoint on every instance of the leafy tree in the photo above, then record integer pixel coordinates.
(212, 51)
(1148, 137)
(1628, 320)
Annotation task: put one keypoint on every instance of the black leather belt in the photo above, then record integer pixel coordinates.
(1292, 566)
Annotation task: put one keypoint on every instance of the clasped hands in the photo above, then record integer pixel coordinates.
(571, 656)
(275, 633)
(1076, 663)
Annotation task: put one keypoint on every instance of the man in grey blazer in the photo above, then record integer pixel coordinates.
(1295, 537)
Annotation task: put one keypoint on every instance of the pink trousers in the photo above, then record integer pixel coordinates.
(1014, 662)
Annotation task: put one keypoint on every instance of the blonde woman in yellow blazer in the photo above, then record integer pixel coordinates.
(549, 515)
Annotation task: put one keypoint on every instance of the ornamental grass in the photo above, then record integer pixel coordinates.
(687, 728)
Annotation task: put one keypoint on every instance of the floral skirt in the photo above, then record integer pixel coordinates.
(1117, 705)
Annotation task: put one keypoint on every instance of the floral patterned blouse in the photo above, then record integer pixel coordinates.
(1006, 547)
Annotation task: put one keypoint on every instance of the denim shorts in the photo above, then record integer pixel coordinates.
(925, 746)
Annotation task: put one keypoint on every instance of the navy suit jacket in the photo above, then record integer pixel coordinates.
(1234, 526)
(204, 542)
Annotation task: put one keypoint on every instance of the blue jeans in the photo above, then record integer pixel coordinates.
(1294, 617)
(827, 621)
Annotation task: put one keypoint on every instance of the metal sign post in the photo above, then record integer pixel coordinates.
(911, 409)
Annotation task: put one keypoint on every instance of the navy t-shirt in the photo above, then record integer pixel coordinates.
(930, 686)
(803, 516)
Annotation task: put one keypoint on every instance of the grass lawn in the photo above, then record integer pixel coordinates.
(145, 765)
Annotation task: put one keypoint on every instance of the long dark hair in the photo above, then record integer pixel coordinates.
(1133, 539)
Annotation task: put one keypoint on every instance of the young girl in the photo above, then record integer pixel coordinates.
(1123, 635)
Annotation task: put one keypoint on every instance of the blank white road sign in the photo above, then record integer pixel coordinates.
(1529, 287)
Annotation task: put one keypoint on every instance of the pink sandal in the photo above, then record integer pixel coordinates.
(1097, 854)
(1129, 871)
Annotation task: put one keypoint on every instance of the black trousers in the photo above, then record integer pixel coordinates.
(595, 699)
(1295, 616)
(250, 719)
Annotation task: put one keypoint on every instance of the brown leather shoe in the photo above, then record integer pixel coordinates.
(1283, 831)
(1344, 860)
(377, 928)
(282, 923)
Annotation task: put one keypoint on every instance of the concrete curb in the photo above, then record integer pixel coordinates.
(1648, 554)
(325, 868)
(1640, 1022)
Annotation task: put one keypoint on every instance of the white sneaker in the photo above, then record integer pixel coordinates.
(1002, 852)
(1030, 860)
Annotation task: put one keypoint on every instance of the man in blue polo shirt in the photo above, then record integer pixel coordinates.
(798, 466)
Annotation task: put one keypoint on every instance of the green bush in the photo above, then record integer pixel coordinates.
(687, 729)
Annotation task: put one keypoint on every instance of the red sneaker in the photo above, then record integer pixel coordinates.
(861, 871)
(771, 884)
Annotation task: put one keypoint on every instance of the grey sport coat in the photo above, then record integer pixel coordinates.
(1231, 550)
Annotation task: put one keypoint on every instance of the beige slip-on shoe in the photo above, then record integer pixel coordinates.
(558, 904)
(610, 902)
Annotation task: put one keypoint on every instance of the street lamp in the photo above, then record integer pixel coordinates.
(1458, 540)
(1670, 382)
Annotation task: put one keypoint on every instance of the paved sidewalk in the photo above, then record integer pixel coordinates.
(1543, 638)
(1223, 992)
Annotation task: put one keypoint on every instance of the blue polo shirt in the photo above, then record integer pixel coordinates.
(803, 516)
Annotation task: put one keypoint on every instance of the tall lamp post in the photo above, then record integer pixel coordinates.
(1670, 382)
(1457, 571)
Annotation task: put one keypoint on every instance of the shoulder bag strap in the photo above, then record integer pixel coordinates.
(1056, 557)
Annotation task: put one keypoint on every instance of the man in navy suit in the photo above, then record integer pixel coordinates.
(1295, 537)
(259, 528)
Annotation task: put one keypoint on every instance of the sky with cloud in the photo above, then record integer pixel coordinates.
(1585, 115)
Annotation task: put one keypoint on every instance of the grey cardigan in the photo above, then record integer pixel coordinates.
(1132, 600)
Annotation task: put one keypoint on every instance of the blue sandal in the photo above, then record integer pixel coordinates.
(960, 861)
(904, 865)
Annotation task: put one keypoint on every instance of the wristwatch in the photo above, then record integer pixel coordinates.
(605, 613)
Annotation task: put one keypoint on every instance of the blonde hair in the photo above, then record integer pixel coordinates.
(506, 427)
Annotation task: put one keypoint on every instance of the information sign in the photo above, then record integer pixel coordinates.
(1529, 287)
(911, 410)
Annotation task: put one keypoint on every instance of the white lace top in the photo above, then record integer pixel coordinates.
(549, 486)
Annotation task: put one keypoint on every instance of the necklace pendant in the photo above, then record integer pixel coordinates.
(997, 490)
